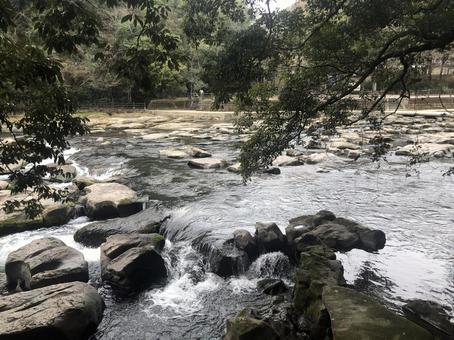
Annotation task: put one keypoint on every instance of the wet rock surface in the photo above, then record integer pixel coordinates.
(67, 311)
(269, 238)
(131, 263)
(356, 316)
(246, 326)
(109, 200)
(44, 262)
(148, 221)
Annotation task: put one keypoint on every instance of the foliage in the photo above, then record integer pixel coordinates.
(36, 109)
(312, 60)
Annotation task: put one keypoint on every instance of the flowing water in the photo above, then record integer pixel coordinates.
(415, 210)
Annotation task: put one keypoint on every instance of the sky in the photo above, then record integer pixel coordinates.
(282, 3)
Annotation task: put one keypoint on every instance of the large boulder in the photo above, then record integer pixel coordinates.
(338, 233)
(246, 326)
(431, 316)
(243, 240)
(318, 268)
(109, 200)
(270, 238)
(131, 263)
(357, 316)
(148, 221)
(67, 311)
(44, 262)
(344, 235)
(298, 225)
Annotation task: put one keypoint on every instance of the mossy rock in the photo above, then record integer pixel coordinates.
(357, 316)
(244, 326)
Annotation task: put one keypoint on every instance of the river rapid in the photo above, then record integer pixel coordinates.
(413, 206)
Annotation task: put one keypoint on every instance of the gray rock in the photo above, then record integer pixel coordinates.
(224, 260)
(148, 221)
(131, 263)
(44, 262)
(299, 225)
(207, 163)
(243, 240)
(66, 172)
(270, 238)
(272, 171)
(68, 311)
(110, 200)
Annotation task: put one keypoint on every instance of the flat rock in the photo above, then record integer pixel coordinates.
(207, 163)
(44, 262)
(356, 316)
(110, 200)
(67, 311)
(148, 221)
(427, 149)
(54, 214)
(284, 160)
(184, 152)
(317, 158)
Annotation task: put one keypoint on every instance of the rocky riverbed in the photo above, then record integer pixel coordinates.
(215, 260)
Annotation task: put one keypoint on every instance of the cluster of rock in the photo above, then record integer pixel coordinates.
(46, 295)
(320, 305)
(98, 201)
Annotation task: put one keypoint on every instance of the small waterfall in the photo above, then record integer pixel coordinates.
(271, 265)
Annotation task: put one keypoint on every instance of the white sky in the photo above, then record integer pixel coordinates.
(282, 3)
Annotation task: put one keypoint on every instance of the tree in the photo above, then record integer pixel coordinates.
(313, 58)
(36, 110)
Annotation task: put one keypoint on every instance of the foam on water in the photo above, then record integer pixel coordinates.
(65, 233)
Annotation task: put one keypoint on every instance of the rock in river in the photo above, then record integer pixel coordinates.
(270, 238)
(243, 240)
(131, 263)
(207, 163)
(357, 316)
(110, 200)
(67, 311)
(184, 152)
(148, 221)
(245, 326)
(44, 262)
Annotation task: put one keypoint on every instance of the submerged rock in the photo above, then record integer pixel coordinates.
(207, 163)
(356, 316)
(272, 171)
(272, 286)
(148, 221)
(235, 168)
(269, 238)
(44, 262)
(245, 326)
(67, 311)
(131, 263)
(431, 316)
(110, 200)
